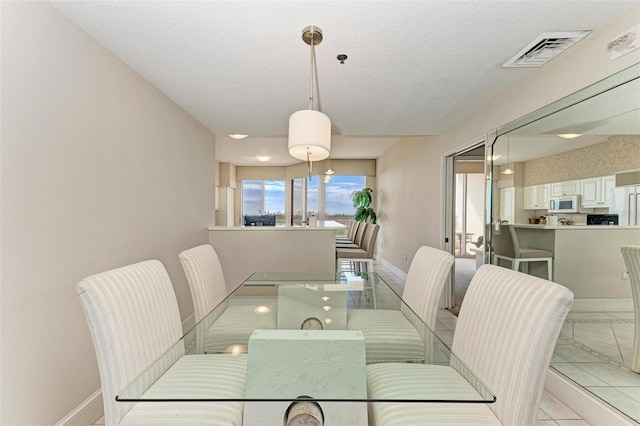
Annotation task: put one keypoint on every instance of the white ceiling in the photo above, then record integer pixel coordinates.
(413, 67)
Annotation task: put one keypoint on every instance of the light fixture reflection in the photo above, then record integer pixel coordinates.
(262, 310)
(328, 320)
(325, 298)
(236, 349)
(263, 157)
(508, 171)
(569, 135)
(326, 308)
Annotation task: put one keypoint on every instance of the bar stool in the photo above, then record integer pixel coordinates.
(506, 246)
(363, 254)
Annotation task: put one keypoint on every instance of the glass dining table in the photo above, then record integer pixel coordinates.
(309, 340)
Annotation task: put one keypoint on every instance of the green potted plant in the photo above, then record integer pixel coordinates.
(361, 202)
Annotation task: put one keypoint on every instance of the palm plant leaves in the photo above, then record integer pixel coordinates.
(361, 201)
(361, 198)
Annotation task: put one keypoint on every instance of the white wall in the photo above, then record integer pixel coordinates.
(98, 170)
(475, 203)
(409, 173)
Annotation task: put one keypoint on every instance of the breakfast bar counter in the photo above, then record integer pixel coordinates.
(586, 259)
(245, 249)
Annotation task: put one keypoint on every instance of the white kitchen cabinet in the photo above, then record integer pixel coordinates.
(596, 192)
(507, 204)
(608, 185)
(543, 195)
(530, 197)
(536, 197)
(569, 187)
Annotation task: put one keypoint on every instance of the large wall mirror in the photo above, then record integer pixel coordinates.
(557, 184)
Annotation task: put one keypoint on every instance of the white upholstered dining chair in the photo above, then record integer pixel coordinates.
(631, 256)
(507, 329)
(389, 334)
(133, 317)
(233, 324)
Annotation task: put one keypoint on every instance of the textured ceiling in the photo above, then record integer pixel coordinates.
(413, 67)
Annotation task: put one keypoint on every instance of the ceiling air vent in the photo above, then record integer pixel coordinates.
(544, 48)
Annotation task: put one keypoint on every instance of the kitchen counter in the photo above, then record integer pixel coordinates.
(246, 249)
(573, 227)
(586, 259)
(323, 225)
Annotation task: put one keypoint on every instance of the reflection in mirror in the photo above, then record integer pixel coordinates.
(562, 199)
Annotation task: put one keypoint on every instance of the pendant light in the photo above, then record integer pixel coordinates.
(508, 171)
(310, 130)
(329, 171)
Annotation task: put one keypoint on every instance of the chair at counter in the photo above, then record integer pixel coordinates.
(505, 246)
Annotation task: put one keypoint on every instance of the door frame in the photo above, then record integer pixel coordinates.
(447, 201)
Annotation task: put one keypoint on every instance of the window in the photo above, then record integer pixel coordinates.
(305, 199)
(262, 197)
(338, 205)
(298, 201)
(308, 197)
(313, 190)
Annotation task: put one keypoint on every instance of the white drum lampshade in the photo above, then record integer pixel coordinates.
(309, 132)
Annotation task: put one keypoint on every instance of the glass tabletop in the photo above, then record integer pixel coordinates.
(316, 336)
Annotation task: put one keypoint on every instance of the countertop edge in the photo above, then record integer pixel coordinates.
(270, 228)
(574, 227)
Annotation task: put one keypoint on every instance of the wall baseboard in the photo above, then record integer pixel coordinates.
(602, 305)
(86, 413)
(395, 271)
(589, 407)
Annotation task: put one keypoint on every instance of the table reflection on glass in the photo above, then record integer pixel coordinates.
(312, 356)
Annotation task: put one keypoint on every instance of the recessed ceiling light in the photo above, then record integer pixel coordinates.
(569, 135)
(508, 171)
(263, 157)
(238, 136)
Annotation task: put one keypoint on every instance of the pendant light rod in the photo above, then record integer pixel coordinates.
(312, 35)
(311, 72)
(508, 171)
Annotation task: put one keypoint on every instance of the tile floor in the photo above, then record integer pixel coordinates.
(594, 350)
(552, 412)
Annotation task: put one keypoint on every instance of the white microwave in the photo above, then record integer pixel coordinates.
(565, 204)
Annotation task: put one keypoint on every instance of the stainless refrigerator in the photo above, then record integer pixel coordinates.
(625, 202)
